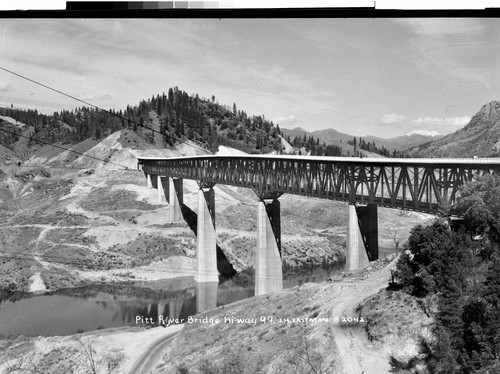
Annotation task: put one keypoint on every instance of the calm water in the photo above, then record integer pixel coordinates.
(67, 312)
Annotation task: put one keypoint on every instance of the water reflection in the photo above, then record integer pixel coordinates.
(206, 296)
(70, 311)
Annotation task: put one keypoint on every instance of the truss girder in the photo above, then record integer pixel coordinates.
(410, 185)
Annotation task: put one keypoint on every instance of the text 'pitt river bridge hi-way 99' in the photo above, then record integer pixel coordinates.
(415, 184)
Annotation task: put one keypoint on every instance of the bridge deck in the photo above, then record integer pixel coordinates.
(416, 184)
(494, 161)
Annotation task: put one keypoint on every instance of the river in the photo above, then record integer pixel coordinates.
(69, 311)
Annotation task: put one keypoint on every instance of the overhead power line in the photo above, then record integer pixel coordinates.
(99, 108)
(126, 168)
(67, 149)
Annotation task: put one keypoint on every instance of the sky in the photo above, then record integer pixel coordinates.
(361, 76)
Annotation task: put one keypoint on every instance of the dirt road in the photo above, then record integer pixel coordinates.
(147, 361)
(356, 354)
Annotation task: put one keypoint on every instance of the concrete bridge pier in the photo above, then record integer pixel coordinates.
(206, 255)
(175, 199)
(148, 181)
(268, 270)
(368, 222)
(356, 256)
(362, 236)
(163, 188)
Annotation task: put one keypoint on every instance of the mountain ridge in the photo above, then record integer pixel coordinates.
(333, 137)
(480, 137)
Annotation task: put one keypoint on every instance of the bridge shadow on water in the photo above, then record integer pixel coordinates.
(223, 265)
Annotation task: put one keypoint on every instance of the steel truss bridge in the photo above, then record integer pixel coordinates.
(413, 184)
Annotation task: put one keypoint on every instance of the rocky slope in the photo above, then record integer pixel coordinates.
(480, 137)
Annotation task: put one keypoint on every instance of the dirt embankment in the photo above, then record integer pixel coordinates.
(271, 333)
(69, 229)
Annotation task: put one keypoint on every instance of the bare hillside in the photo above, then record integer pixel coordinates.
(80, 219)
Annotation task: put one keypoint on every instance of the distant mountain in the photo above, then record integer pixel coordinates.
(334, 137)
(480, 137)
(297, 131)
(404, 142)
(330, 137)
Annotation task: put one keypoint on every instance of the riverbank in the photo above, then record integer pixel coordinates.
(107, 304)
(120, 347)
(126, 344)
(262, 333)
(271, 332)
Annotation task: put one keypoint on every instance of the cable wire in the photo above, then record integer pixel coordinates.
(126, 168)
(101, 109)
(67, 149)
(64, 167)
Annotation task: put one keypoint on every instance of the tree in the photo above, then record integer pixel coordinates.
(396, 238)
(96, 363)
(97, 133)
(491, 295)
(462, 268)
(304, 354)
(479, 204)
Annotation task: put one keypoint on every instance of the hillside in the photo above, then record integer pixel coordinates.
(82, 209)
(480, 137)
(77, 206)
(163, 120)
(265, 340)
